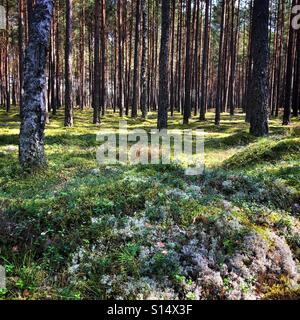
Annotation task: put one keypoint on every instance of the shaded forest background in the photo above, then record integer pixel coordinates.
(112, 49)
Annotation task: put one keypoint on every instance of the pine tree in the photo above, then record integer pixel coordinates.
(68, 65)
(163, 100)
(33, 116)
(144, 63)
(258, 91)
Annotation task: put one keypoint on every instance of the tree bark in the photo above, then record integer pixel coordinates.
(258, 91)
(144, 94)
(204, 63)
(163, 101)
(289, 75)
(68, 66)
(220, 67)
(96, 83)
(136, 61)
(31, 148)
(120, 57)
(187, 104)
(103, 56)
(21, 49)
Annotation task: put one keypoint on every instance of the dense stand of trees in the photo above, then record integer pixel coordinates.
(136, 56)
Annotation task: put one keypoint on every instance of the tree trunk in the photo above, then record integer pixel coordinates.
(296, 88)
(258, 91)
(172, 87)
(136, 61)
(57, 61)
(204, 63)
(289, 75)
(120, 57)
(82, 59)
(21, 49)
(187, 104)
(220, 67)
(31, 149)
(163, 101)
(144, 94)
(68, 66)
(103, 57)
(249, 68)
(96, 83)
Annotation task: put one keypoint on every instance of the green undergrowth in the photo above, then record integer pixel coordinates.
(79, 230)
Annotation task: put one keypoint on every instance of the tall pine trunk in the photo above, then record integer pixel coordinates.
(33, 116)
(187, 104)
(96, 82)
(144, 64)
(103, 56)
(204, 71)
(220, 67)
(289, 75)
(136, 61)
(258, 91)
(68, 66)
(163, 100)
(21, 49)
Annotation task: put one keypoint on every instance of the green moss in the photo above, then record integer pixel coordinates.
(265, 151)
(49, 213)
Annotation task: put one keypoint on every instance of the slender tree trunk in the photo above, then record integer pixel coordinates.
(249, 68)
(52, 69)
(6, 63)
(103, 56)
(172, 88)
(82, 59)
(163, 100)
(57, 59)
(136, 61)
(144, 64)
(220, 67)
(196, 58)
(120, 57)
(21, 49)
(187, 104)
(296, 88)
(68, 65)
(233, 46)
(204, 63)
(96, 82)
(289, 75)
(179, 59)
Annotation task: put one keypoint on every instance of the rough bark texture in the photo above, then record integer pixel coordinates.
(68, 67)
(258, 91)
(220, 67)
(204, 63)
(144, 93)
(187, 104)
(136, 61)
(296, 94)
(289, 75)
(96, 84)
(120, 58)
(31, 149)
(21, 48)
(163, 100)
(103, 56)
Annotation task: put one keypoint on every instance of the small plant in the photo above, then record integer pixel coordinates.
(191, 296)
(128, 260)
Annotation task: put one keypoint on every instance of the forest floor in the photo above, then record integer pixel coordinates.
(78, 230)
